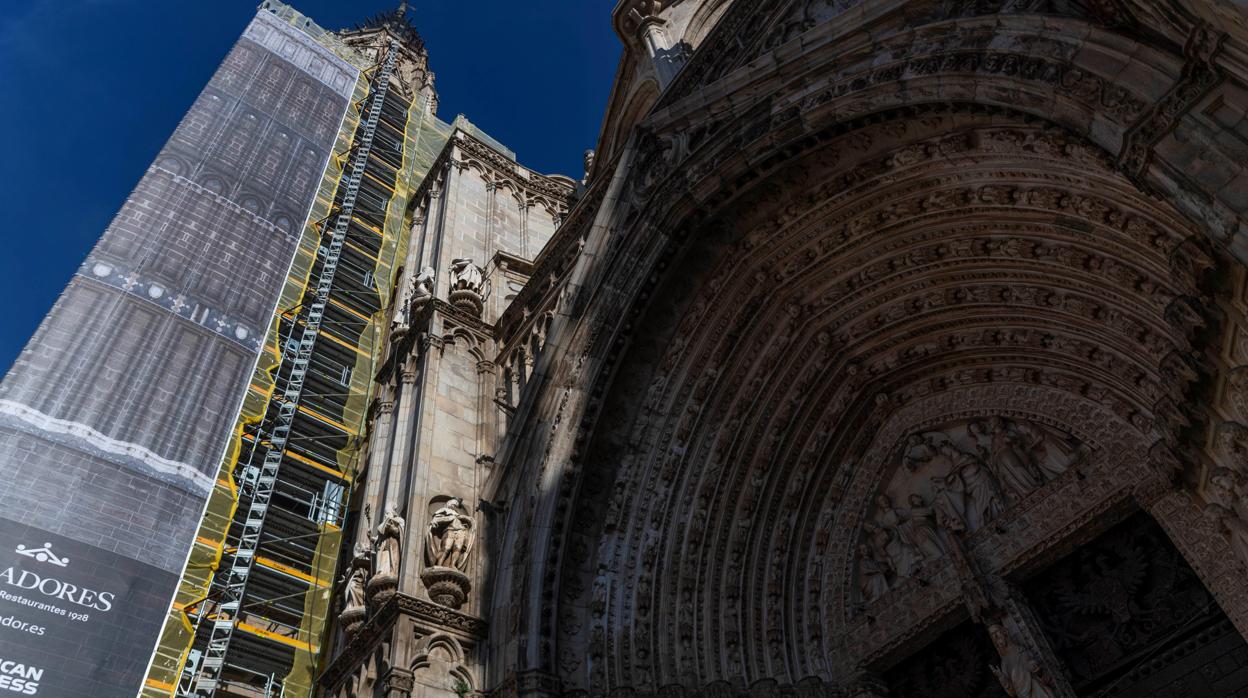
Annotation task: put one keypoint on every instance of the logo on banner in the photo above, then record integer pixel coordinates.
(22, 678)
(43, 554)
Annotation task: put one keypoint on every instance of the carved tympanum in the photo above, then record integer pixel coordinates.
(951, 481)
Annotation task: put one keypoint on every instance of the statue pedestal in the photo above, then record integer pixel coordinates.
(468, 301)
(352, 620)
(447, 586)
(381, 588)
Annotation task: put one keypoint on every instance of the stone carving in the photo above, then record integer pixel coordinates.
(873, 573)
(450, 536)
(1228, 508)
(448, 542)
(388, 549)
(954, 481)
(466, 286)
(417, 293)
(466, 275)
(354, 605)
(1019, 673)
(589, 167)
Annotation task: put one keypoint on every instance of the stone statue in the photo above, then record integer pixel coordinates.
(466, 275)
(450, 537)
(388, 543)
(983, 493)
(1008, 459)
(589, 166)
(917, 452)
(905, 557)
(416, 293)
(920, 529)
(354, 603)
(1019, 672)
(872, 574)
(949, 502)
(352, 582)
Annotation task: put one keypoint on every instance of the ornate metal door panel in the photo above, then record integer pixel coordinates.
(1128, 617)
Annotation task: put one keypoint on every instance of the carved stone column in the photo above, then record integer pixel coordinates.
(1207, 550)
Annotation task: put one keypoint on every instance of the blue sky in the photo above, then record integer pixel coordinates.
(91, 89)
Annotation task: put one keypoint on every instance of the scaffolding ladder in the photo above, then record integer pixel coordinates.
(212, 662)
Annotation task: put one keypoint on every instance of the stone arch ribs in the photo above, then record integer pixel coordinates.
(788, 278)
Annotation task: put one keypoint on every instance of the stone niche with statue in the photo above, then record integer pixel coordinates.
(953, 481)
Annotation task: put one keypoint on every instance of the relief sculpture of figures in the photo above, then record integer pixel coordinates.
(450, 537)
(920, 528)
(1019, 672)
(949, 502)
(1009, 457)
(954, 480)
(872, 574)
(902, 551)
(983, 493)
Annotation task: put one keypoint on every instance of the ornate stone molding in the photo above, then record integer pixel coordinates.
(1200, 75)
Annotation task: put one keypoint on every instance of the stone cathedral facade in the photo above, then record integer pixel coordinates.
(886, 349)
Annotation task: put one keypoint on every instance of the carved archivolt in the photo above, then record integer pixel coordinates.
(833, 332)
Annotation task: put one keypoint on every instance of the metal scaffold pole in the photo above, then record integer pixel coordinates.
(276, 430)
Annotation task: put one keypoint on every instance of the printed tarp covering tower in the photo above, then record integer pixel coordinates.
(276, 516)
(114, 418)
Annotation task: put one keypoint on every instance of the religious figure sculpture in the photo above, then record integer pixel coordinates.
(450, 536)
(354, 605)
(983, 493)
(1009, 459)
(466, 275)
(387, 547)
(905, 557)
(389, 541)
(949, 502)
(589, 167)
(917, 452)
(1019, 672)
(466, 286)
(448, 542)
(920, 529)
(416, 293)
(872, 574)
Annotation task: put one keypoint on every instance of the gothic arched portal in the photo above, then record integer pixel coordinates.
(864, 332)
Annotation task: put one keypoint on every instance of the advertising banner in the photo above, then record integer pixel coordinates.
(75, 620)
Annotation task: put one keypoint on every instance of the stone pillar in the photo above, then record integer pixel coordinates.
(1206, 549)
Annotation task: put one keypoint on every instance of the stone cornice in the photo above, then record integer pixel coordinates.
(376, 628)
